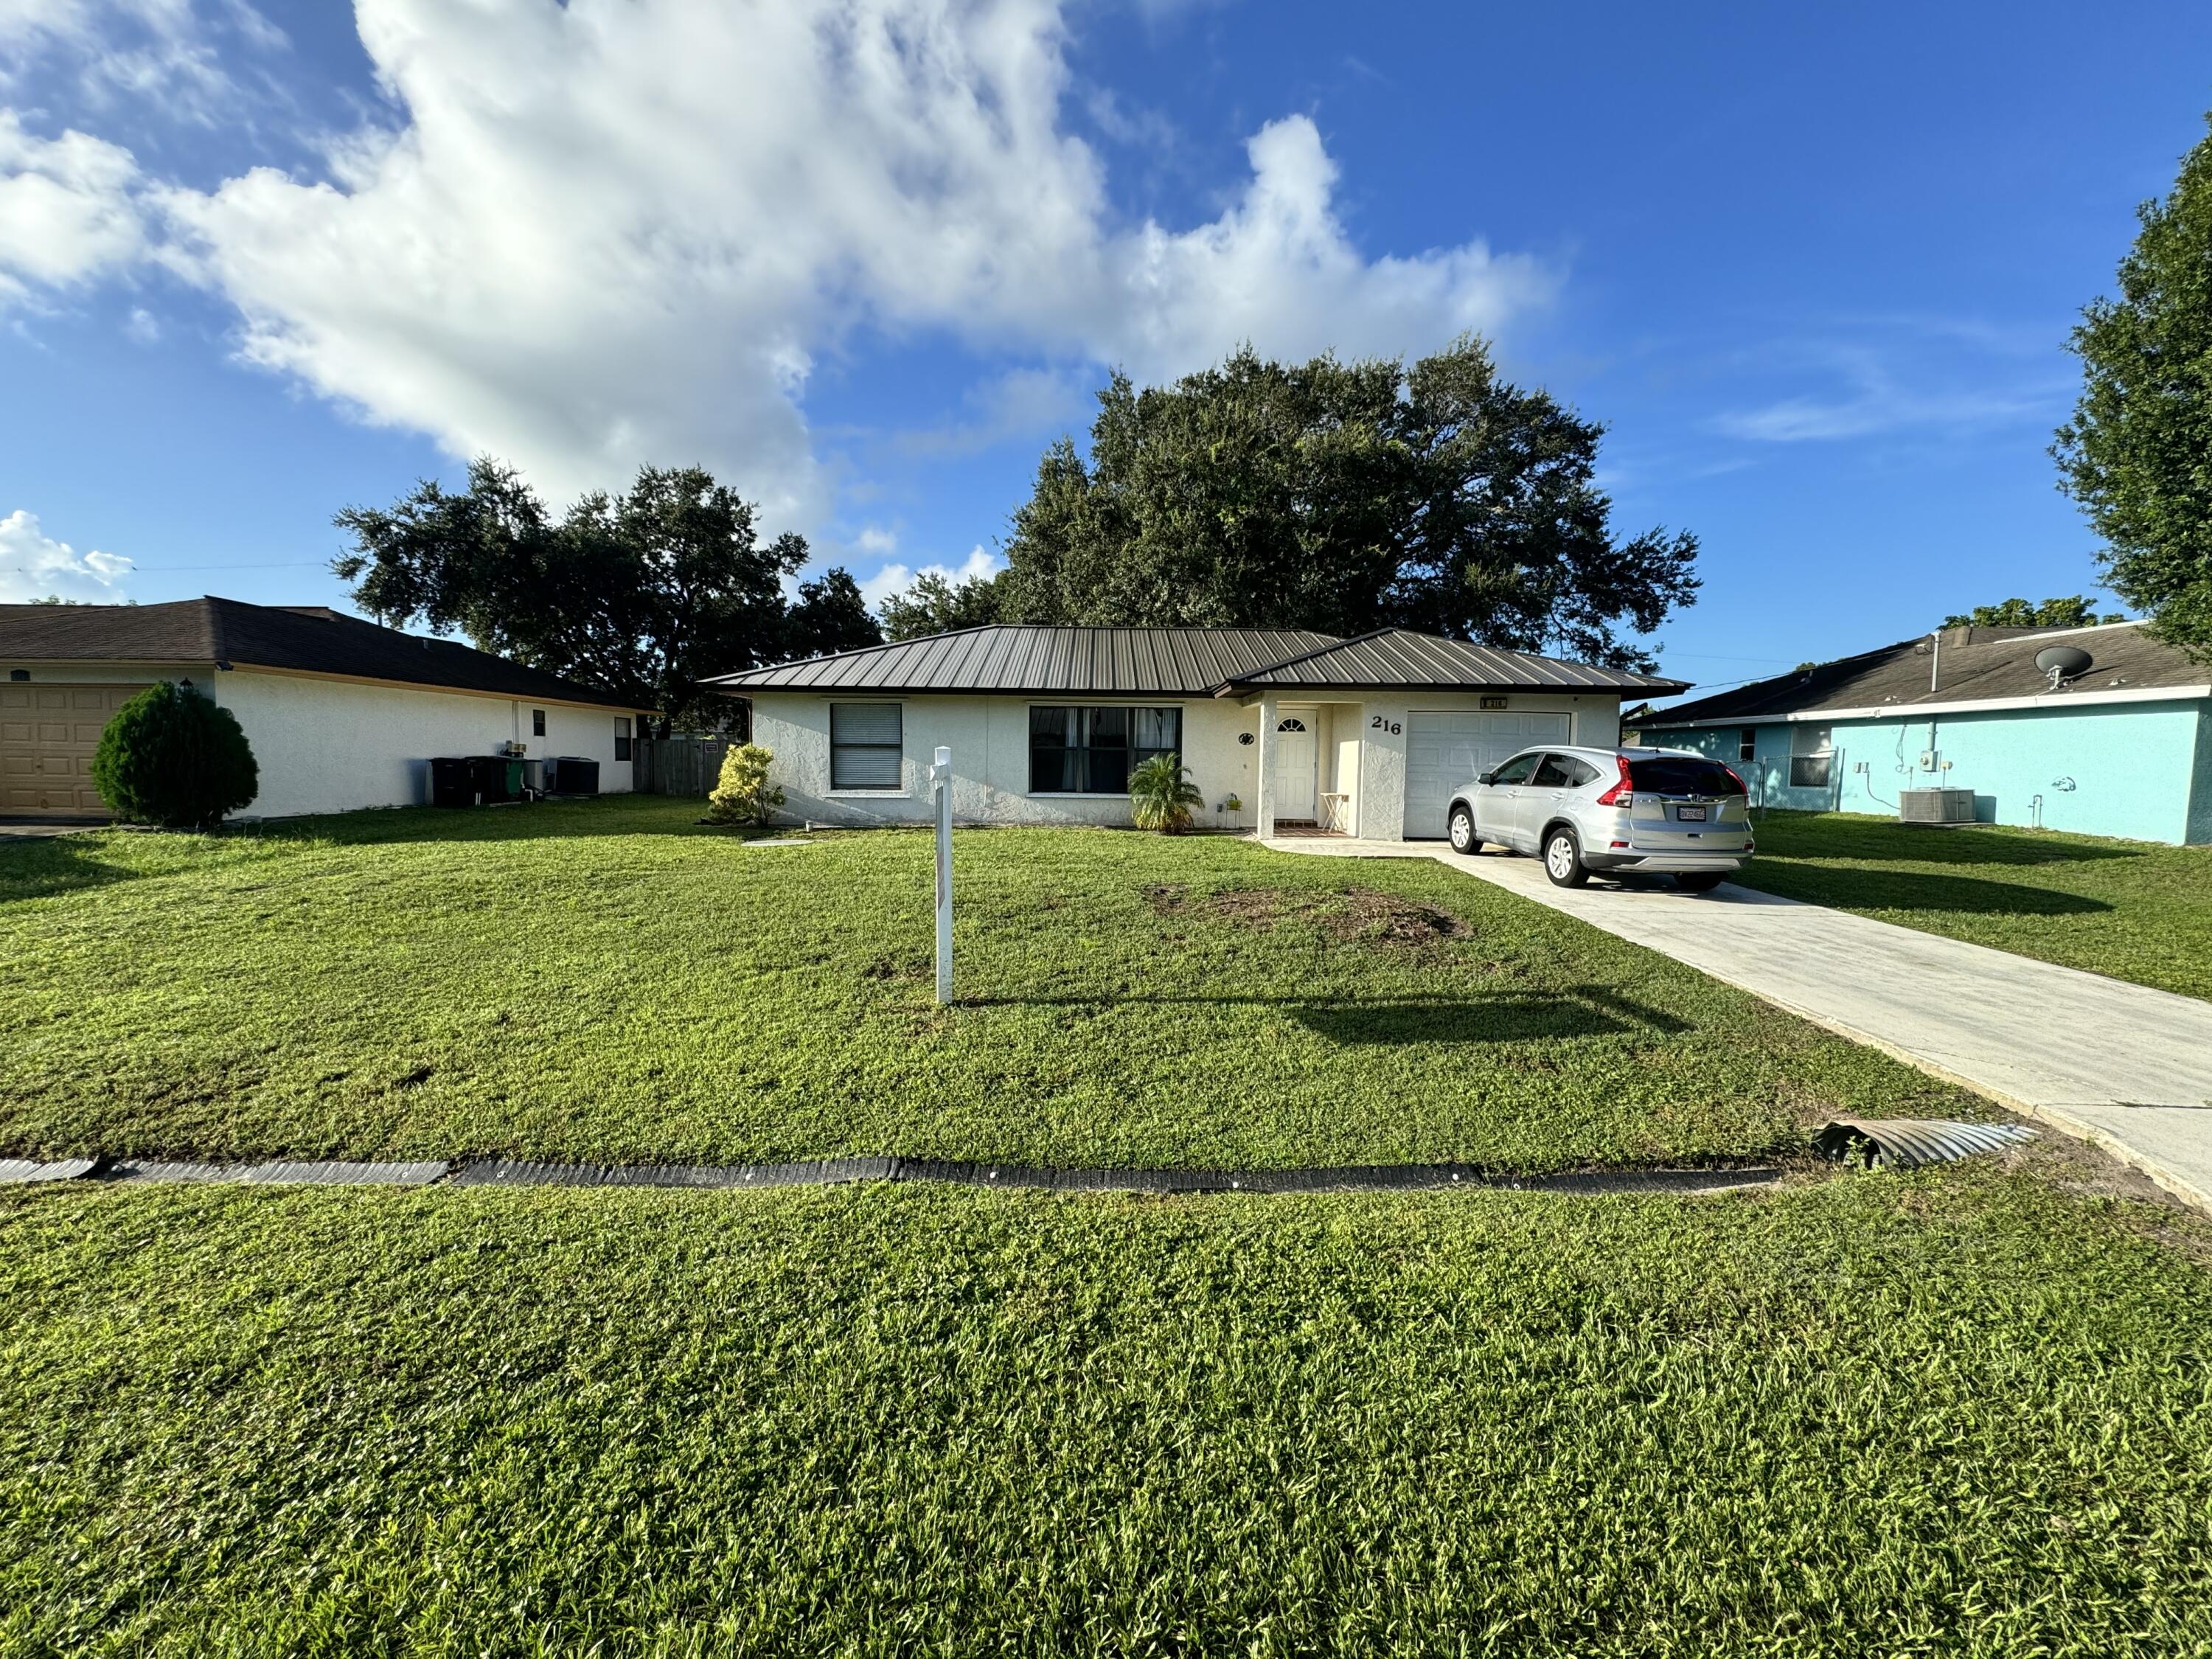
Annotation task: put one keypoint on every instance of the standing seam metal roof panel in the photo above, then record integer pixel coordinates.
(1400, 657)
(1124, 661)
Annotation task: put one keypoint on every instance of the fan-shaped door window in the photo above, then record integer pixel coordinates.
(1290, 723)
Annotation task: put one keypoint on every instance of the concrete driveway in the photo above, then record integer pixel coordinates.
(2121, 1065)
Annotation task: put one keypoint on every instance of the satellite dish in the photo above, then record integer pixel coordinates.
(2063, 663)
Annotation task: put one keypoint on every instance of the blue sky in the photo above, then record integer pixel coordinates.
(1816, 270)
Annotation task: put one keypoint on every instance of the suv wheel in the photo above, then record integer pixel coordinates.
(1701, 881)
(1463, 838)
(1563, 858)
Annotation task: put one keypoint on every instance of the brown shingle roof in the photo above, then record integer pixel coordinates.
(308, 638)
(1179, 662)
(1978, 665)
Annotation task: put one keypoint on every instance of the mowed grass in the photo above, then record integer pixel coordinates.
(607, 981)
(2132, 910)
(1958, 1412)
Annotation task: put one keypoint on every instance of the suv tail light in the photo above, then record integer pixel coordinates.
(1738, 777)
(1619, 794)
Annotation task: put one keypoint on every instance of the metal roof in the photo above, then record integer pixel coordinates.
(1975, 665)
(1181, 662)
(1398, 659)
(310, 639)
(1149, 661)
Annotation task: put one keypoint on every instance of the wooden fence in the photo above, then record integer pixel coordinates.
(677, 766)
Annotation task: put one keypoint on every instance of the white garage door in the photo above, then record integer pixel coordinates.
(1443, 751)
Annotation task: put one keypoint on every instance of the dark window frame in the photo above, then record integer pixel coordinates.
(853, 747)
(537, 722)
(1095, 767)
(622, 737)
(1682, 774)
(1747, 744)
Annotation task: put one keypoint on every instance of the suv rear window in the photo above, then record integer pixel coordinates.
(1679, 774)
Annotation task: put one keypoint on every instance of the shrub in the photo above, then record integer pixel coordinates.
(174, 757)
(743, 793)
(1161, 795)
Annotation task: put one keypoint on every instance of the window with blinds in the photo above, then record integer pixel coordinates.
(864, 746)
(1092, 751)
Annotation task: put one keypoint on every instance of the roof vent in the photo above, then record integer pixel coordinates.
(2063, 663)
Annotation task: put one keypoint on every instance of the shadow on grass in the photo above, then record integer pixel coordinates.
(1581, 1010)
(1814, 835)
(41, 869)
(1858, 889)
(603, 815)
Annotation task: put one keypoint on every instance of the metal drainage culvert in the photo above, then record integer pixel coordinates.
(1905, 1143)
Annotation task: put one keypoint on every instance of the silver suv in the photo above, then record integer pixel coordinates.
(1604, 811)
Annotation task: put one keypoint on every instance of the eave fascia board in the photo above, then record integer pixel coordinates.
(1885, 711)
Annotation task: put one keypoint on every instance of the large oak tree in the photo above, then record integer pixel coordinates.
(2137, 454)
(642, 594)
(1343, 496)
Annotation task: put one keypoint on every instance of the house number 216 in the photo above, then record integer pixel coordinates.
(1382, 725)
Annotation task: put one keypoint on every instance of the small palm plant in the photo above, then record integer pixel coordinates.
(1161, 795)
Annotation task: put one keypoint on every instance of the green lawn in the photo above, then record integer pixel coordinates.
(2132, 910)
(1960, 1411)
(608, 982)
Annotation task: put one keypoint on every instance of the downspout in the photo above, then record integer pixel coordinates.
(1935, 657)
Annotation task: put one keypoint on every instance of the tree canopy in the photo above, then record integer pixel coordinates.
(1342, 496)
(935, 605)
(2073, 611)
(643, 594)
(2135, 453)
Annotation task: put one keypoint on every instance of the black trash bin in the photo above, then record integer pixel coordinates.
(579, 776)
(453, 782)
(489, 773)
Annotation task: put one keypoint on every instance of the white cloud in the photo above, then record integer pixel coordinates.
(897, 578)
(142, 327)
(67, 210)
(110, 50)
(876, 539)
(32, 565)
(623, 230)
(1887, 390)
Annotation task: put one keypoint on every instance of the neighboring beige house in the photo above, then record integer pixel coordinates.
(1362, 736)
(342, 714)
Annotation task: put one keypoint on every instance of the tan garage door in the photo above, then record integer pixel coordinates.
(47, 734)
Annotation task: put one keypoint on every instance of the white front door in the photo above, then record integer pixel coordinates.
(1443, 752)
(1297, 754)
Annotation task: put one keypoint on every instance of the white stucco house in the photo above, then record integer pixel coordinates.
(1361, 737)
(342, 714)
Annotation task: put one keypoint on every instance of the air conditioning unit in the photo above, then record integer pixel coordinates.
(1935, 806)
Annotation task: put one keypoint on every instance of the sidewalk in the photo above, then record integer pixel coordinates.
(2125, 1066)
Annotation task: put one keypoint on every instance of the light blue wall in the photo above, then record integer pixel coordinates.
(2139, 770)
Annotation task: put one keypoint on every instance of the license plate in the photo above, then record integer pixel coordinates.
(1689, 815)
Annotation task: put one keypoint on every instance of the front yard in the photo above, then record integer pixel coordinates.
(1961, 1412)
(1967, 1410)
(2132, 910)
(606, 982)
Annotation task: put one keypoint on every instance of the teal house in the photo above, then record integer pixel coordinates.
(2100, 730)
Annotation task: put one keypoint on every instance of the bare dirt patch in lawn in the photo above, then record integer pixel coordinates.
(1358, 915)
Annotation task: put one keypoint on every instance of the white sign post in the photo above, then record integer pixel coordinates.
(941, 785)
